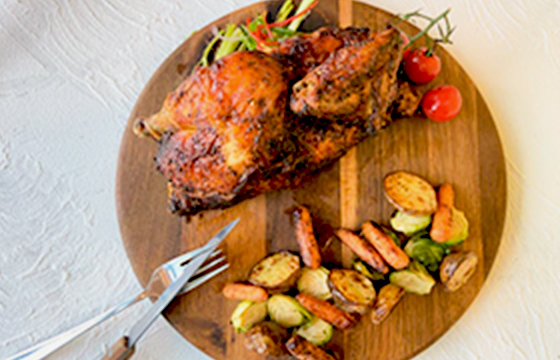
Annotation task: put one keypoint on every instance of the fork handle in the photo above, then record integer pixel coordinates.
(46, 347)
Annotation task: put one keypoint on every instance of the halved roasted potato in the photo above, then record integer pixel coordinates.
(277, 272)
(410, 193)
(456, 269)
(352, 291)
(302, 349)
(267, 338)
(388, 297)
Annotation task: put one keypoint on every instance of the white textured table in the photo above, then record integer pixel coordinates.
(70, 72)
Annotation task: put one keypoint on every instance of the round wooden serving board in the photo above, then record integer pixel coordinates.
(465, 152)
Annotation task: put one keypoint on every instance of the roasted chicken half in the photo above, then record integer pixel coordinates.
(247, 124)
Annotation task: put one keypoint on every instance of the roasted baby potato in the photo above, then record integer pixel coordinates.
(305, 236)
(277, 272)
(388, 297)
(240, 291)
(315, 283)
(410, 193)
(363, 249)
(302, 349)
(247, 314)
(352, 291)
(267, 338)
(385, 245)
(456, 269)
(326, 311)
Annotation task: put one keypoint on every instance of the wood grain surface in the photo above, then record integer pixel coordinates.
(465, 152)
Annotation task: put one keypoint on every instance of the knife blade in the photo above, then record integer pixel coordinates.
(124, 348)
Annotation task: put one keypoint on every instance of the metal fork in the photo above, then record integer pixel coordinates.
(159, 281)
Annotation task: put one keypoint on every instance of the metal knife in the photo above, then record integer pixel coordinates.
(124, 347)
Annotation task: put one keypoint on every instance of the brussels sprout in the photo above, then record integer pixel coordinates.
(286, 311)
(414, 279)
(409, 224)
(317, 331)
(247, 314)
(314, 282)
(425, 250)
(367, 271)
(460, 230)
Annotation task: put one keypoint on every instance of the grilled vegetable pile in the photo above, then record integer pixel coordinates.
(291, 303)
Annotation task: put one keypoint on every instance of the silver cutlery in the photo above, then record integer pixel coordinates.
(159, 281)
(124, 347)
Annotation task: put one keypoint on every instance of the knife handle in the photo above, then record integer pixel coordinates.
(119, 351)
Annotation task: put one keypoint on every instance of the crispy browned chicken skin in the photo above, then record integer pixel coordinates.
(303, 52)
(227, 133)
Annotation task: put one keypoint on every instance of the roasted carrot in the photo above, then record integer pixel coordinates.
(363, 249)
(302, 349)
(305, 236)
(442, 223)
(238, 291)
(383, 243)
(326, 311)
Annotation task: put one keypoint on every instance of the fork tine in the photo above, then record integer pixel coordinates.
(202, 279)
(210, 265)
(188, 256)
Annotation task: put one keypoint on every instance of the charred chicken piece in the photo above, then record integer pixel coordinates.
(302, 53)
(227, 133)
(357, 82)
(221, 125)
(406, 102)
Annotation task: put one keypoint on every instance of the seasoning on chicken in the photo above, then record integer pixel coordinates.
(227, 133)
(355, 83)
(303, 52)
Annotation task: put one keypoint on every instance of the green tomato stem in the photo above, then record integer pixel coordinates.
(432, 23)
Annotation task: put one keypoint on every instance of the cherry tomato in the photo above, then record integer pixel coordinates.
(442, 103)
(421, 68)
(405, 41)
